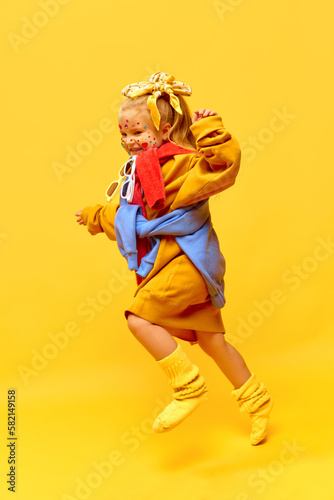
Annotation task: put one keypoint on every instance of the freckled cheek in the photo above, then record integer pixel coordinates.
(144, 141)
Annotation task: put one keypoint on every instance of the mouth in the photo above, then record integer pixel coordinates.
(136, 151)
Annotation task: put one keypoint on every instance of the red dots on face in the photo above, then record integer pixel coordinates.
(144, 144)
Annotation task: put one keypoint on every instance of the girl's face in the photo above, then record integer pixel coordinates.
(138, 134)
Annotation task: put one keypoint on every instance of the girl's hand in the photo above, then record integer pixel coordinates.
(80, 219)
(203, 113)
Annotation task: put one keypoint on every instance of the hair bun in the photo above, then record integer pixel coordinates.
(159, 83)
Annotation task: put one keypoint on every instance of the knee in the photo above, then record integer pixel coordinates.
(136, 324)
(208, 341)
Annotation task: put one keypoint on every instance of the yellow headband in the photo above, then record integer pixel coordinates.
(158, 84)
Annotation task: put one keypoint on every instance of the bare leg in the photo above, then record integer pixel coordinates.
(156, 340)
(251, 396)
(226, 356)
(159, 342)
(189, 386)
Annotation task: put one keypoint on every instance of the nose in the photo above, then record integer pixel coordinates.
(129, 139)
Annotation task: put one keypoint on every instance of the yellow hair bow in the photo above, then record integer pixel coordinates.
(158, 84)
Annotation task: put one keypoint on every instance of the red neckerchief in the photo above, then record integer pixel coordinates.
(149, 178)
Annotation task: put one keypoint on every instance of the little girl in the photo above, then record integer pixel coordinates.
(158, 213)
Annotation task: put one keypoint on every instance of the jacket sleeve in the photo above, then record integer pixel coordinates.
(216, 166)
(101, 218)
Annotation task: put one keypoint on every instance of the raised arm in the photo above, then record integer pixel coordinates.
(216, 166)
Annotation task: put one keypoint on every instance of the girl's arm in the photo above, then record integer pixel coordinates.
(100, 218)
(216, 166)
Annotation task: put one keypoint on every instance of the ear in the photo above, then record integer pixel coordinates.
(165, 129)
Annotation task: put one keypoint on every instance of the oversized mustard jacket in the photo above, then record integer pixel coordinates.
(174, 294)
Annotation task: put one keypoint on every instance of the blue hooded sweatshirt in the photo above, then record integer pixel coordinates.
(192, 230)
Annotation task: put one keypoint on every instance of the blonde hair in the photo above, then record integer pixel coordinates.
(180, 132)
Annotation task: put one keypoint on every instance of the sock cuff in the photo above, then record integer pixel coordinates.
(251, 395)
(178, 367)
(250, 383)
(172, 358)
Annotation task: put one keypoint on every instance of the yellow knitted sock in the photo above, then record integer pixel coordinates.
(253, 398)
(189, 390)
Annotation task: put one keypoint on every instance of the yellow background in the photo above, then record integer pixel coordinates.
(91, 401)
